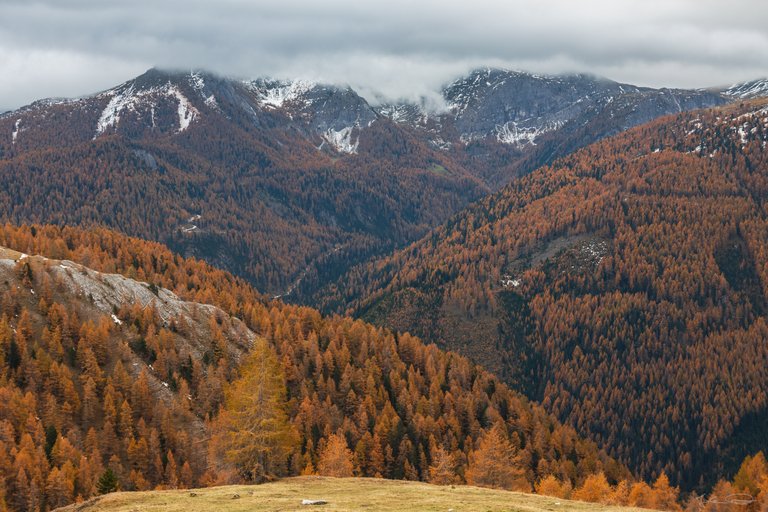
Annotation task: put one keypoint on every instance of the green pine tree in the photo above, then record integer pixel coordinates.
(107, 482)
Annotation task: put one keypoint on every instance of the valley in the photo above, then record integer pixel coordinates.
(284, 172)
(507, 291)
(597, 285)
(111, 375)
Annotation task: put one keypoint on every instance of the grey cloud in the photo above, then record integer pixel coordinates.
(394, 48)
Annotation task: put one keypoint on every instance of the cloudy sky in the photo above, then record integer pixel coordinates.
(401, 48)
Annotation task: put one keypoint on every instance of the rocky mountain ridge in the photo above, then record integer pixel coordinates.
(492, 105)
(328, 178)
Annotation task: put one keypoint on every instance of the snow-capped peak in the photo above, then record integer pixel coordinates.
(748, 90)
(127, 99)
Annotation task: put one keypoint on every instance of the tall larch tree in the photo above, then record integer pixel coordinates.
(252, 433)
(496, 463)
(335, 458)
(444, 468)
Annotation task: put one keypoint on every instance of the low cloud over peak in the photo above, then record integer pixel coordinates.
(384, 49)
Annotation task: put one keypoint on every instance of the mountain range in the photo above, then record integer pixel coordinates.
(289, 183)
(593, 245)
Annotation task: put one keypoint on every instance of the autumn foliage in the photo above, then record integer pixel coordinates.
(335, 458)
(142, 398)
(252, 433)
(264, 204)
(496, 463)
(624, 288)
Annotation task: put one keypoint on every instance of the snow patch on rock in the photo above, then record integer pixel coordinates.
(395, 113)
(441, 144)
(15, 133)
(210, 102)
(277, 94)
(508, 281)
(197, 81)
(341, 140)
(513, 133)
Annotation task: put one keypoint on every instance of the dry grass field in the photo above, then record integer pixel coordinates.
(342, 495)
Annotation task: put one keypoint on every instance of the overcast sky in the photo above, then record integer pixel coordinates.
(402, 48)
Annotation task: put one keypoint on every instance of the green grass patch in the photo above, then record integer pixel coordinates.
(438, 169)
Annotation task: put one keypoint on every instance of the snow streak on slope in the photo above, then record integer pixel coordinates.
(129, 99)
(187, 113)
(110, 116)
(512, 133)
(341, 140)
(748, 90)
(277, 94)
(15, 133)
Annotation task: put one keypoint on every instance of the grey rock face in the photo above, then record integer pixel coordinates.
(487, 101)
(748, 90)
(509, 118)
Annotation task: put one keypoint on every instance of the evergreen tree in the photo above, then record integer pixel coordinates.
(107, 482)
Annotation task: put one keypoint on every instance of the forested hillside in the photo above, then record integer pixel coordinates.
(208, 167)
(624, 287)
(111, 381)
(288, 183)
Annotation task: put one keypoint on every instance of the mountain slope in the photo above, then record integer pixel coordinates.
(97, 371)
(504, 124)
(289, 183)
(103, 371)
(601, 285)
(748, 90)
(210, 167)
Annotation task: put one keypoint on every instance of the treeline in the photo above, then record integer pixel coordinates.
(748, 490)
(624, 287)
(92, 403)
